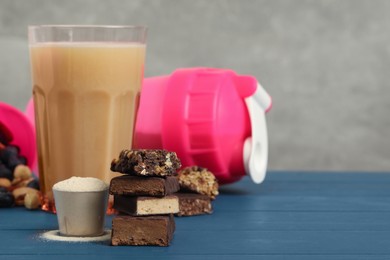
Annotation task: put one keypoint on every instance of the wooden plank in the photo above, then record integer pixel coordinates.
(202, 257)
(316, 184)
(226, 242)
(232, 220)
(287, 221)
(21, 218)
(302, 203)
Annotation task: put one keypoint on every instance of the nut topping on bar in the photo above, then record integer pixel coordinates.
(198, 180)
(146, 162)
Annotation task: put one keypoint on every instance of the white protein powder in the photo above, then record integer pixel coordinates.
(54, 235)
(80, 184)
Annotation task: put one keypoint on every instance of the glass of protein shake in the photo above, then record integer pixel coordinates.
(86, 87)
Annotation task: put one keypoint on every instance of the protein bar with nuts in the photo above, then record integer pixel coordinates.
(146, 162)
(198, 180)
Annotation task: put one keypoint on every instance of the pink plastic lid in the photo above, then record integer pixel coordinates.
(207, 116)
(22, 130)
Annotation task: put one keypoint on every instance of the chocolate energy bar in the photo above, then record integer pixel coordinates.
(141, 206)
(142, 231)
(198, 180)
(146, 162)
(142, 186)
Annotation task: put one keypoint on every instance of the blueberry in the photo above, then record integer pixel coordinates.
(33, 184)
(14, 148)
(22, 159)
(5, 172)
(13, 162)
(4, 155)
(3, 189)
(6, 199)
(8, 152)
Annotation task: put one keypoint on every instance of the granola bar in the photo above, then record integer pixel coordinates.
(198, 180)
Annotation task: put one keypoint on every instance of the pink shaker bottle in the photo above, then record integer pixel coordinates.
(22, 131)
(212, 118)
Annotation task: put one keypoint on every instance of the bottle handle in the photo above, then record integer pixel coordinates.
(255, 149)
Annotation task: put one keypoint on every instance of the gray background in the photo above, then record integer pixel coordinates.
(325, 63)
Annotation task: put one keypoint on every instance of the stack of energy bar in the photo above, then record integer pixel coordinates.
(143, 197)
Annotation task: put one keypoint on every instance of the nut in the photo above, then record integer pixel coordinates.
(15, 182)
(20, 193)
(23, 183)
(22, 171)
(31, 200)
(4, 182)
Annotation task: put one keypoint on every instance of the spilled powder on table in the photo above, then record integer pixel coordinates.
(54, 235)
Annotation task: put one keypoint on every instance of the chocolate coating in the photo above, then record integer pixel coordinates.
(142, 231)
(142, 186)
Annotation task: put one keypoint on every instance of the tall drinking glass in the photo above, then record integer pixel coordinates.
(86, 87)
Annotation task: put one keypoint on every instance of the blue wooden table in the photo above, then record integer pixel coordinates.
(292, 215)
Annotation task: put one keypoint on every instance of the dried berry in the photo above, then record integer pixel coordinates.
(22, 159)
(5, 135)
(6, 200)
(15, 176)
(5, 172)
(13, 162)
(9, 152)
(33, 184)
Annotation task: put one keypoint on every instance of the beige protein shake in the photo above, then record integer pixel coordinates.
(85, 96)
